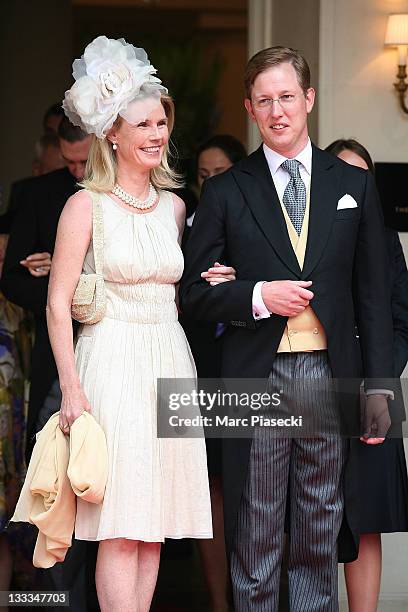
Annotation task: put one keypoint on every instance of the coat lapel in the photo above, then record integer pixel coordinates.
(323, 205)
(255, 182)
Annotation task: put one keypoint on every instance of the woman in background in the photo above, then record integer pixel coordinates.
(379, 473)
(15, 347)
(214, 156)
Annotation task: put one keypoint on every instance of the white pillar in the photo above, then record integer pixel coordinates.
(327, 77)
(260, 17)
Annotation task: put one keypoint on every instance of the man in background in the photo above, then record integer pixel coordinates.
(47, 155)
(28, 257)
(25, 282)
(52, 118)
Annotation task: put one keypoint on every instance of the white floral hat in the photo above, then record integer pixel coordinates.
(109, 76)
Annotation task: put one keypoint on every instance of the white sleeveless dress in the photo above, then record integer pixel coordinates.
(157, 488)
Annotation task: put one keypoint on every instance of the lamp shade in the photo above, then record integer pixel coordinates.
(397, 30)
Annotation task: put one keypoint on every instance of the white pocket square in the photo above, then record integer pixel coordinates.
(347, 201)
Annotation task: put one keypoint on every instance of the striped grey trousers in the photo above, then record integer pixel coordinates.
(311, 468)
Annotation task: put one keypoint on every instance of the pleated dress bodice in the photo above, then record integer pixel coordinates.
(157, 487)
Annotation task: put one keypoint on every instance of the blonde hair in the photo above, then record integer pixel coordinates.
(101, 167)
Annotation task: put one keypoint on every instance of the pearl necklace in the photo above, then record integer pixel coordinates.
(132, 200)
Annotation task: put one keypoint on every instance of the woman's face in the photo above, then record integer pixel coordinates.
(353, 159)
(142, 142)
(211, 162)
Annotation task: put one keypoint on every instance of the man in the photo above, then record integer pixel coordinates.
(52, 118)
(47, 155)
(305, 233)
(28, 257)
(47, 158)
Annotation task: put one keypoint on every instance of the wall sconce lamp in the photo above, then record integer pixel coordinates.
(397, 36)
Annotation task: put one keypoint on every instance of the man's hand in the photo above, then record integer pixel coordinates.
(38, 264)
(376, 419)
(286, 298)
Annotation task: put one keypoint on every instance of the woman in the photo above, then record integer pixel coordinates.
(156, 488)
(16, 545)
(214, 156)
(379, 473)
(217, 155)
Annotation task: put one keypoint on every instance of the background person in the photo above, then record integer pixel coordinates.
(47, 158)
(15, 348)
(16, 335)
(214, 156)
(38, 205)
(29, 252)
(52, 118)
(47, 155)
(379, 474)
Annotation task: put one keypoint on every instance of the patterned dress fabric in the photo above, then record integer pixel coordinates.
(157, 487)
(294, 197)
(15, 348)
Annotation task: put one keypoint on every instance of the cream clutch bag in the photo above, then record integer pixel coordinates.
(89, 301)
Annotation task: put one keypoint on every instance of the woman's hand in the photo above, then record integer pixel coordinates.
(73, 404)
(219, 274)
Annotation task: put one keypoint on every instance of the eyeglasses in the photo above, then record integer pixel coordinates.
(284, 101)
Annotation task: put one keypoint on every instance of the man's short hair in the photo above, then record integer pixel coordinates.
(69, 132)
(274, 56)
(55, 110)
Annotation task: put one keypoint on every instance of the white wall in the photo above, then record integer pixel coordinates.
(356, 94)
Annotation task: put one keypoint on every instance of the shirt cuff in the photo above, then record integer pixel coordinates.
(385, 392)
(259, 310)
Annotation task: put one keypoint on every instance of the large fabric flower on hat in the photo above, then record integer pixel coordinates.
(109, 75)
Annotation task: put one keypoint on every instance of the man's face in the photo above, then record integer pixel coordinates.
(75, 155)
(283, 127)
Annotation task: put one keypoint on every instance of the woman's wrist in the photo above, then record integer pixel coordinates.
(71, 386)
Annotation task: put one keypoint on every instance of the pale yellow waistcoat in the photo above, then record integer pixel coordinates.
(303, 332)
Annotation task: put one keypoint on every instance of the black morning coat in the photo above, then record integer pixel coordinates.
(239, 221)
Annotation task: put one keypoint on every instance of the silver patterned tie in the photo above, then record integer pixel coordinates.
(294, 197)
